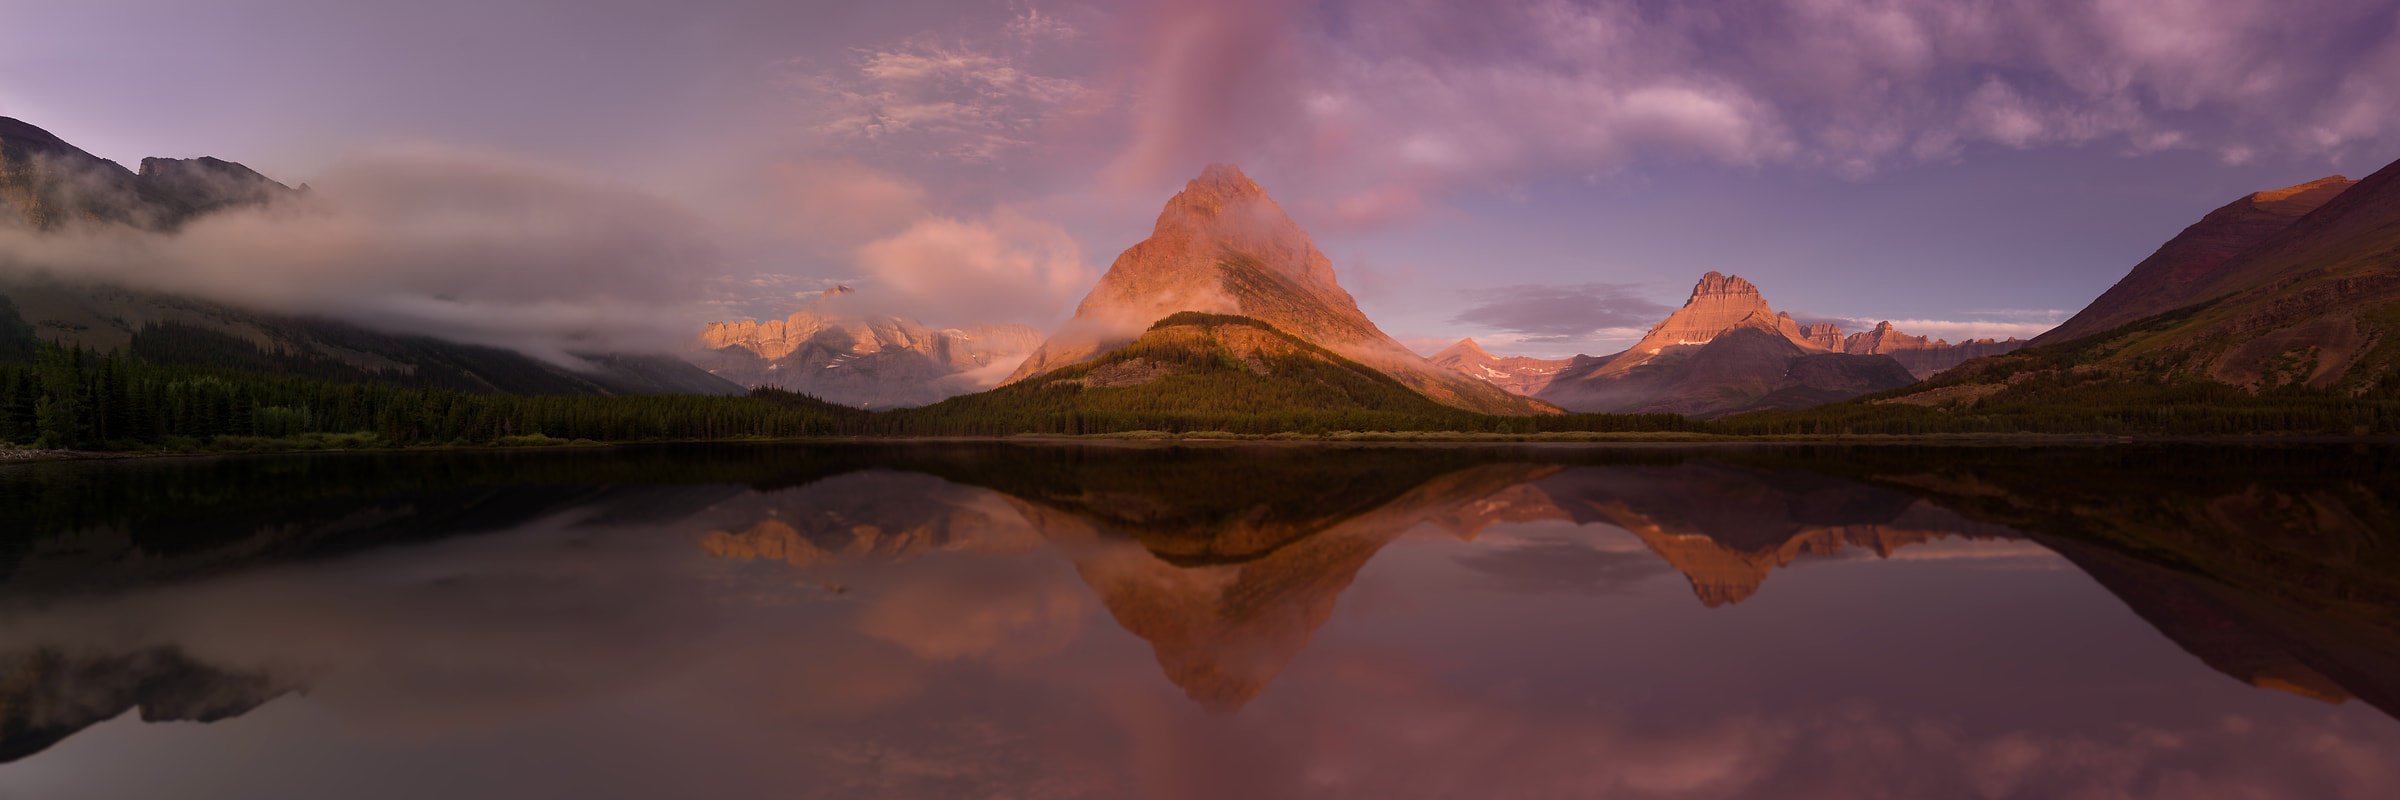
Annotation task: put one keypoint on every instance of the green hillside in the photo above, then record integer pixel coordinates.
(1191, 371)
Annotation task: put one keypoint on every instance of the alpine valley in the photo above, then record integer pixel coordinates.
(1228, 318)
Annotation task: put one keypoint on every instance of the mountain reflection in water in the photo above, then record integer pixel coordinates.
(202, 590)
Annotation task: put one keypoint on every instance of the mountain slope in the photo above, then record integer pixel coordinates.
(1222, 246)
(2185, 269)
(1193, 371)
(2314, 306)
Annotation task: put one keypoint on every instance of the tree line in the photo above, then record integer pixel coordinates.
(71, 398)
(53, 396)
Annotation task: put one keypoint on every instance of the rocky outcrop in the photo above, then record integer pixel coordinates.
(1222, 246)
(2181, 272)
(1923, 358)
(861, 360)
(1514, 374)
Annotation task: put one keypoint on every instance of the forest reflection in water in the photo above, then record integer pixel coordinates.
(900, 604)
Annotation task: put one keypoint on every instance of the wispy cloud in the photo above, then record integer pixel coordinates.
(1559, 314)
(966, 100)
(1419, 98)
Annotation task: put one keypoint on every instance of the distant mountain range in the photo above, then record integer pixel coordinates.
(47, 184)
(1725, 351)
(2293, 287)
(866, 361)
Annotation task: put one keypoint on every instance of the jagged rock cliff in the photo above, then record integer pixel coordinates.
(859, 360)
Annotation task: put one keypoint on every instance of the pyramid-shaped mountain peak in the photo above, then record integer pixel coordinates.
(1223, 179)
(1461, 348)
(1222, 246)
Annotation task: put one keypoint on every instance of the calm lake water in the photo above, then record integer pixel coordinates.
(1243, 621)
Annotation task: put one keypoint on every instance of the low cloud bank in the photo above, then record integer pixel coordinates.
(463, 246)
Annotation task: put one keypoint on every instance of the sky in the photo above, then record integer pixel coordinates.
(1547, 177)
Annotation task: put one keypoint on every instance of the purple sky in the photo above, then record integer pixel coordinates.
(1543, 176)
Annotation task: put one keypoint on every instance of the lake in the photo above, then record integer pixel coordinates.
(1257, 620)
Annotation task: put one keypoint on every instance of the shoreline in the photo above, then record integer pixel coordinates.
(15, 455)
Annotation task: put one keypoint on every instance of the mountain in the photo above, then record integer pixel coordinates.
(870, 361)
(2185, 270)
(1725, 351)
(1924, 358)
(50, 184)
(2308, 313)
(1520, 375)
(1221, 246)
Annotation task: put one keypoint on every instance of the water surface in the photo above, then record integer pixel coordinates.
(1045, 620)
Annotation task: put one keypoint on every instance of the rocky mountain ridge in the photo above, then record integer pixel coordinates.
(1721, 304)
(873, 361)
(1727, 351)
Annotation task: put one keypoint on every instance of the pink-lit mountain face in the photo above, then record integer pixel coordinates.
(1222, 246)
(1727, 350)
(875, 361)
